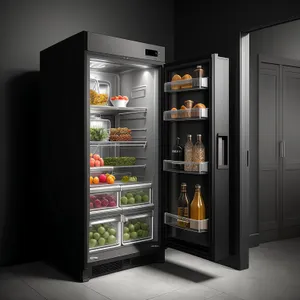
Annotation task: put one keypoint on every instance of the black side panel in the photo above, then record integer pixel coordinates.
(220, 134)
(64, 167)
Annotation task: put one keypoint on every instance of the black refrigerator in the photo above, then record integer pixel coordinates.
(111, 113)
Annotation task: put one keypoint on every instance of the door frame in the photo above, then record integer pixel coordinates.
(244, 97)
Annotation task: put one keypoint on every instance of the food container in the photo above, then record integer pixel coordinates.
(99, 129)
(104, 234)
(104, 199)
(136, 194)
(99, 92)
(119, 102)
(137, 228)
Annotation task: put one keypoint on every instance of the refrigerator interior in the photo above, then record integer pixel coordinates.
(139, 82)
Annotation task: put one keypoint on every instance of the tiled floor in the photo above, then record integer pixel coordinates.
(274, 274)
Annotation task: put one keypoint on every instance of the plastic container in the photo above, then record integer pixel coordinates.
(136, 194)
(137, 228)
(99, 129)
(104, 234)
(104, 199)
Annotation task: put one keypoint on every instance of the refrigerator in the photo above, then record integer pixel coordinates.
(111, 115)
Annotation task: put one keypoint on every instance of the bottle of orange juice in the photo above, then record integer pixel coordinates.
(197, 209)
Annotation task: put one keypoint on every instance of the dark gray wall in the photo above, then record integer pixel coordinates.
(204, 27)
(27, 27)
(281, 41)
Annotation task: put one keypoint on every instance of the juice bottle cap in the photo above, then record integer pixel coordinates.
(197, 186)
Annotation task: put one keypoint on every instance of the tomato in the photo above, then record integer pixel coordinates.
(125, 98)
(113, 98)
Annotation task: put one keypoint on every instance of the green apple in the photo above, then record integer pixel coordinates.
(124, 200)
(126, 229)
(138, 199)
(111, 239)
(140, 233)
(106, 226)
(91, 235)
(96, 236)
(145, 198)
(126, 236)
(105, 235)
(129, 195)
(101, 229)
(101, 241)
(133, 235)
(131, 227)
(145, 233)
(137, 226)
(131, 200)
(112, 231)
(92, 243)
(144, 226)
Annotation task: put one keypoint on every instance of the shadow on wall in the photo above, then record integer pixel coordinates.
(21, 240)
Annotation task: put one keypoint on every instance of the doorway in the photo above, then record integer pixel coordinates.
(273, 82)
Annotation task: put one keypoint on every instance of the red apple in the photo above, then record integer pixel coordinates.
(97, 163)
(101, 162)
(102, 178)
(93, 198)
(91, 205)
(113, 98)
(97, 204)
(112, 203)
(125, 98)
(96, 156)
(92, 162)
(104, 202)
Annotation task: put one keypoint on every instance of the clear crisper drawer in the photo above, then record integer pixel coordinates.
(136, 194)
(104, 199)
(186, 114)
(137, 228)
(99, 129)
(105, 234)
(186, 223)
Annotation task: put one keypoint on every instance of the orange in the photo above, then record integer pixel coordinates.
(96, 180)
(110, 180)
(91, 180)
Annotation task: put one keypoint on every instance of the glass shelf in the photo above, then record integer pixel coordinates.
(112, 110)
(188, 224)
(185, 167)
(193, 84)
(111, 168)
(119, 143)
(186, 114)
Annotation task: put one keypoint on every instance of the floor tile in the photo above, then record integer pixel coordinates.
(193, 292)
(14, 289)
(224, 296)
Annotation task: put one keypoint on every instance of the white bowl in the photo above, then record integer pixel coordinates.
(119, 103)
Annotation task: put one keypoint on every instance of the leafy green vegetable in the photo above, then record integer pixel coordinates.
(98, 134)
(119, 161)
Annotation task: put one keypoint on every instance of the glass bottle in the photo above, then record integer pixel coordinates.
(177, 154)
(198, 153)
(197, 209)
(188, 154)
(183, 206)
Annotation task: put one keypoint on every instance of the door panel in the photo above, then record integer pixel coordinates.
(269, 169)
(291, 137)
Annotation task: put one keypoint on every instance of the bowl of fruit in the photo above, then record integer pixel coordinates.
(119, 101)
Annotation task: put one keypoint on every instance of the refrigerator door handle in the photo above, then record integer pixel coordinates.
(282, 149)
(126, 219)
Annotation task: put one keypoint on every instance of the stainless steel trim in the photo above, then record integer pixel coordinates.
(117, 219)
(136, 186)
(127, 49)
(114, 188)
(129, 209)
(126, 219)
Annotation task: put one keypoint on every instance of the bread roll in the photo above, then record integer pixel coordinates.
(176, 77)
(174, 114)
(186, 86)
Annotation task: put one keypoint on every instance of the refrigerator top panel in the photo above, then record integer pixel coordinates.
(127, 49)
